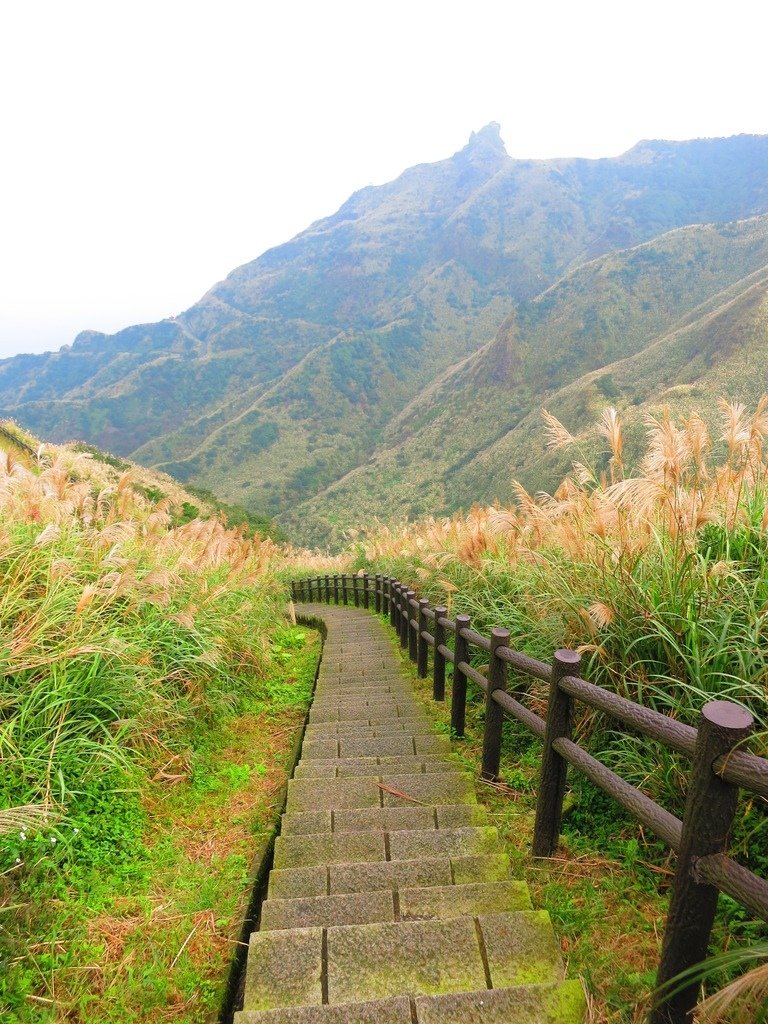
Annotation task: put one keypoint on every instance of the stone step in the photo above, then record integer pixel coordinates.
(388, 790)
(328, 880)
(349, 767)
(379, 905)
(364, 730)
(385, 819)
(391, 744)
(354, 712)
(298, 851)
(550, 1003)
(354, 963)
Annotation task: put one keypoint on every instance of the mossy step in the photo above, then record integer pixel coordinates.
(553, 1003)
(350, 963)
(385, 789)
(364, 729)
(349, 767)
(392, 744)
(298, 851)
(383, 819)
(549, 1003)
(349, 711)
(328, 880)
(414, 904)
(327, 911)
(377, 1011)
(353, 725)
(346, 711)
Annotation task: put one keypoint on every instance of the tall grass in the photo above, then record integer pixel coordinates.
(659, 577)
(656, 573)
(125, 633)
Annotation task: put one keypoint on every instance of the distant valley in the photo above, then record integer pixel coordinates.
(393, 359)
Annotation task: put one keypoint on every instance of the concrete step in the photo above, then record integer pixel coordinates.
(549, 1003)
(364, 729)
(354, 963)
(298, 851)
(379, 905)
(389, 790)
(385, 819)
(328, 880)
(349, 767)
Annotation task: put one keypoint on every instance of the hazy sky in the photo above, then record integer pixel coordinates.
(148, 148)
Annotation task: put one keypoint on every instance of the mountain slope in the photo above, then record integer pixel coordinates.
(610, 332)
(300, 366)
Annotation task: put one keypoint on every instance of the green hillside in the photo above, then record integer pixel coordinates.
(634, 328)
(328, 356)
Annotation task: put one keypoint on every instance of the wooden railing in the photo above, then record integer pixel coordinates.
(719, 767)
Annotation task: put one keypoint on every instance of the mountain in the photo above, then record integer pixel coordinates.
(317, 381)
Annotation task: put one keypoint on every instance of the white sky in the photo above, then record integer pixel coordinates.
(148, 148)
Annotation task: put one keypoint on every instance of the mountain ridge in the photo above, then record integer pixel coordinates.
(307, 362)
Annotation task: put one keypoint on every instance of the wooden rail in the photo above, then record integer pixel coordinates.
(719, 768)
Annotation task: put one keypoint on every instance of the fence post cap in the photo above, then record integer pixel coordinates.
(567, 657)
(499, 635)
(463, 619)
(727, 715)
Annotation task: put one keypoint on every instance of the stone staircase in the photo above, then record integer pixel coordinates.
(390, 900)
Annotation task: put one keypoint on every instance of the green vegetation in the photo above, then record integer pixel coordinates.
(150, 694)
(660, 580)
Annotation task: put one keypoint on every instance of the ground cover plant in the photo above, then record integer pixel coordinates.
(151, 690)
(656, 573)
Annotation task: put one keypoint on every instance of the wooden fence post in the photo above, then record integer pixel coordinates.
(327, 589)
(412, 630)
(549, 803)
(459, 690)
(366, 593)
(404, 616)
(336, 589)
(344, 588)
(378, 587)
(356, 590)
(423, 647)
(438, 661)
(494, 713)
(394, 605)
(709, 811)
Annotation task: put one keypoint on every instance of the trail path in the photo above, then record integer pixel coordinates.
(390, 900)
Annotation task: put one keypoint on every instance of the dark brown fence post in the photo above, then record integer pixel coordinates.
(459, 690)
(344, 587)
(336, 589)
(494, 713)
(378, 587)
(402, 622)
(394, 605)
(404, 616)
(549, 804)
(366, 592)
(438, 660)
(356, 590)
(411, 629)
(327, 589)
(709, 811)
(386, 594)
(423, 647)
